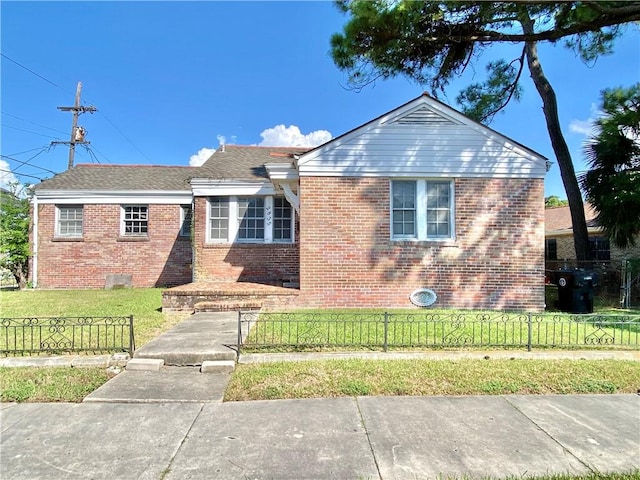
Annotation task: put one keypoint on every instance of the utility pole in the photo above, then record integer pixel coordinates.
(77, 133)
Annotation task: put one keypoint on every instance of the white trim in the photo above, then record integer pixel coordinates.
(292, 198)
(92, 198)
(268, 219)
(401, 171)
(122, 221)
(182, 219)
(281, 171)
(233, 224)
(421, 211)
(34, 262)
(56, 228)
(206, 187)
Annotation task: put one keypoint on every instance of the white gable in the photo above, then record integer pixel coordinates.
(423, 138)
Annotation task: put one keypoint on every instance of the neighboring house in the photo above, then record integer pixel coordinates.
(559, 247)
(420, 197)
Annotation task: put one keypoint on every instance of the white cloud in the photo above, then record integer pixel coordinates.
(6, 175)
(585, 127)
(281, 136)
(201, 157)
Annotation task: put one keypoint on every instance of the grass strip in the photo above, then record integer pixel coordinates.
(358, 377)
(49, 384)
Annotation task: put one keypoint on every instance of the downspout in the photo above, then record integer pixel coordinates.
(34, 262)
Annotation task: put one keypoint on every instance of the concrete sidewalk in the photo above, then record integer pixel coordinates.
(336, 438)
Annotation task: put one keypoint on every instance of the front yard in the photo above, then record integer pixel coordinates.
(303, 379)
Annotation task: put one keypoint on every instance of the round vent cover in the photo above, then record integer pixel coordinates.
(423, 297)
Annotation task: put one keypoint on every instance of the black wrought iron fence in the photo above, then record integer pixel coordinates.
(54, 335)
(298, 331)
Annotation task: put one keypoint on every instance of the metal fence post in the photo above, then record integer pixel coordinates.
(386, 331)
(132, 339)
(529, 332)
(239, 341)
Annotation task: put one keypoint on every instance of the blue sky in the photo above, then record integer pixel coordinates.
(172, 79)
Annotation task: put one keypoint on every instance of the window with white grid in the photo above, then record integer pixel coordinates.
(422, 209)
(135, 220)
(69, 221)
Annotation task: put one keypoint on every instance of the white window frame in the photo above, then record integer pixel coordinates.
(234, 223)
(59, 220)
(183, 217)
(421, 211)
(123, 210)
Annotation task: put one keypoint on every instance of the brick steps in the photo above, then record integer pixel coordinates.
(224, 297)
(227, 305)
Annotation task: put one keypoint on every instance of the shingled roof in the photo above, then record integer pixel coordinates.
(121, 178)
(558, 219)
(236, 162)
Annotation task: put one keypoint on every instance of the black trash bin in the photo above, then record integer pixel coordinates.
(575, 291)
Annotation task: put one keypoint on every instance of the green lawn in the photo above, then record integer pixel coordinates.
(329, 329)
(357, 377)
(143, 303)
(49, 384)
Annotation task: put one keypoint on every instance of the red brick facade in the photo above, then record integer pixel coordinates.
(163, 258)
(223, 262)
(495, 262)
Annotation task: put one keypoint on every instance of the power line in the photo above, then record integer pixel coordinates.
(33, 123)
(27, 131)
(22, 162)
(27, 151)
(68, 92)
(94, 149)
(20, 174)
(36, 74)
(125, 137)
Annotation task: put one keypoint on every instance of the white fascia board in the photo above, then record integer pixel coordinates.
(281, 171)
(206, 187)
(157, 197)
(403, 172)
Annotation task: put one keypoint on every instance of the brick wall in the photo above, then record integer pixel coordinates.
(262, 263)
(161, 259)
(348, 260)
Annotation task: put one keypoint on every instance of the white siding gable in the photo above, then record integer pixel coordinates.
(423, 138)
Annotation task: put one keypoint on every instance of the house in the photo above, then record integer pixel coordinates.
(559, 247)
(420, 197)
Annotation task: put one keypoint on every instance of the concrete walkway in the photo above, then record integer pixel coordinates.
(333, 438)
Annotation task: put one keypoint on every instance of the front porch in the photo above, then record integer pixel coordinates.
(226, 296)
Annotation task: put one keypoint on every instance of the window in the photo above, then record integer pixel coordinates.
(186, 215)
(282, 220)
(404, 209)
(219, 218)
(135, 220)
(422, 209)
(551, 249)
(70, 221)
(600, 249)
(250, 219)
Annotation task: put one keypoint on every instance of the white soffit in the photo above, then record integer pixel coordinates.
(112, 197)
(204, 187)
